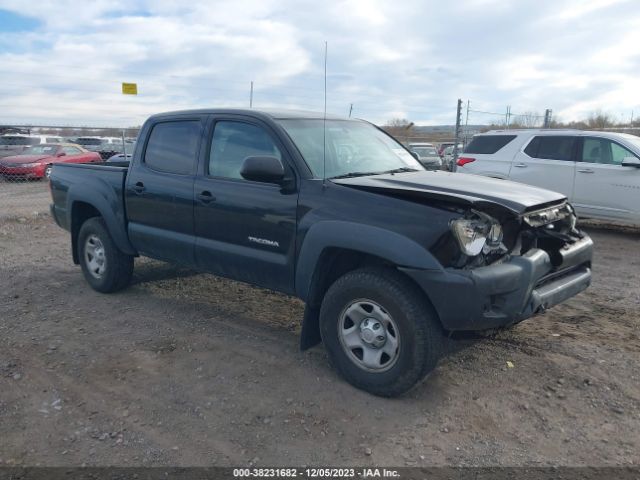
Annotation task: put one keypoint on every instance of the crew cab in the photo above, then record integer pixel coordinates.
(388, 257)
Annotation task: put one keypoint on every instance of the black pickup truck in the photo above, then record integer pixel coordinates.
(389, 258)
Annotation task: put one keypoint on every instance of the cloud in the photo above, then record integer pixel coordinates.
(388, 59)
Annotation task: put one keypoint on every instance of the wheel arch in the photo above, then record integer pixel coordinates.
(81, 210)
(331, 249)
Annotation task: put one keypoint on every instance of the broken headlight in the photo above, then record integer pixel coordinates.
(476, 231)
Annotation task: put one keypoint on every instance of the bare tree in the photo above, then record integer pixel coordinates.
(599, 119)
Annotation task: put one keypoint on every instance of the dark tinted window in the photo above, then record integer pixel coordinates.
(173, 147)
(488, 143)
(232, 142)
(551, 147)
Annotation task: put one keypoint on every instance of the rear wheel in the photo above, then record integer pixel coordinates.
(380, 332)
(104, 266)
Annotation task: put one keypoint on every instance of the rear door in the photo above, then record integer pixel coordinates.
(75, 155)
(245, 230)
(604, 188)
(159, 192)
(547, 161)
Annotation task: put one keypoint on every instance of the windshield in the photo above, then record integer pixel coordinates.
(633, 140)
(17, 140)
(351, 147)
(40, 150)
(425, 151)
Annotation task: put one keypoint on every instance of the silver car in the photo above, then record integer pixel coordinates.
(428, 157)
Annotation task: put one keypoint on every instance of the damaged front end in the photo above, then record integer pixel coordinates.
(501, 267)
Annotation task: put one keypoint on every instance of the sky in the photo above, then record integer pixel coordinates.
(63, 61)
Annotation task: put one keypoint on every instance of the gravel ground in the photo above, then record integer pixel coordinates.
(188, 369)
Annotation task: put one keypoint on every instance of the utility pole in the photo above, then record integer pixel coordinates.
(351, 110)
(466, 125)
(457, 139)
(507, 117)
(547, 118)
(251, 95)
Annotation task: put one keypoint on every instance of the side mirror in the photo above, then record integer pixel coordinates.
(631, 162)
(61, 154)
(262, 169)
(415, 155)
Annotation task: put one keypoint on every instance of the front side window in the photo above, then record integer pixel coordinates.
(344, 147)
(173, 147)
(551, 147)
(601, 150)
(232, 142)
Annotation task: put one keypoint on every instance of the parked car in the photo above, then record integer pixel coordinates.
(36, 160)
(428, 157)
(389, 258)
(443, 146)
(105, 146)
(598, 171)
(14, 143)
(119, 157)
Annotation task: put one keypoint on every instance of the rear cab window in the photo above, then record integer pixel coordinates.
(173, 147)
(488, 144)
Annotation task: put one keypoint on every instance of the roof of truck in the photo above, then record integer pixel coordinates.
(255, 112)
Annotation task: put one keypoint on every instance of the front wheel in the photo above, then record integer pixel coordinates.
(104, 266)
(380, 332)
(47, 172)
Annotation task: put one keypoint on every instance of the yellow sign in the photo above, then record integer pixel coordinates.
(129, 88)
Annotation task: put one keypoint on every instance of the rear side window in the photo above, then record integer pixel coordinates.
(488, 144)
(173, 147)
(551, 147)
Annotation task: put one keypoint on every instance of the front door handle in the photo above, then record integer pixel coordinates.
(206, 197)
(586, 170)
(520, 165)
(138, 187)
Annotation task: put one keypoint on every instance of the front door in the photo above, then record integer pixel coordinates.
(604, 188)
(245, 230)
(547, 161)
(159, 191)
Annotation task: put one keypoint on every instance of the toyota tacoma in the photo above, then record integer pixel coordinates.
(389, 258)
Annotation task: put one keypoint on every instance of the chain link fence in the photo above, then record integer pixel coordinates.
(27, 154)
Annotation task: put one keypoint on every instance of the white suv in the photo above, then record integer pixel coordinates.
(598, 171)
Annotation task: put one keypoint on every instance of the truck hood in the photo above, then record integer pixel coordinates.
(460, 188)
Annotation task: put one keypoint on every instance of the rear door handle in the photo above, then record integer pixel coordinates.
(520, 165)
(138, 187)
(206, 197)
(586, 170)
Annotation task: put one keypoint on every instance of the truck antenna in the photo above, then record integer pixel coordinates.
(324, 121)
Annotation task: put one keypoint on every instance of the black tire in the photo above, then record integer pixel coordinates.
(117, 266)
(421, 337)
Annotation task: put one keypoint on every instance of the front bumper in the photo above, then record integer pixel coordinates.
(509, 292)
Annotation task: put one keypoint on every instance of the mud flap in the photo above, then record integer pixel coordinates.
(310, 334)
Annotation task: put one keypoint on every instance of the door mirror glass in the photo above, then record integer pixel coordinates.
(631, 162)
(262, 169)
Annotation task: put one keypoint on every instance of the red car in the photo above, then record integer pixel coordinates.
(36, 160)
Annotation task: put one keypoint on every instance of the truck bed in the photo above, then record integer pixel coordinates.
(103, 182)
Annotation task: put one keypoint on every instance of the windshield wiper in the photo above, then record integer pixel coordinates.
(361, 174)
(354, 174)
(400, 170)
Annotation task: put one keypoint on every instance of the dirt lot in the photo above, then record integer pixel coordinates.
(187, 369)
